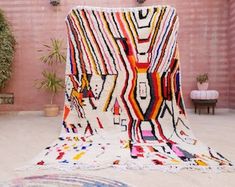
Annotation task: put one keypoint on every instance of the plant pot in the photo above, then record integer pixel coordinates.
(140, 1)
(203, 86)
(7, 98)
(55, 2)
(51, 110)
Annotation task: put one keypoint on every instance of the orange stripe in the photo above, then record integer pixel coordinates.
(159, 97)
(95, 42)
(131, 95)
(72, 56)
(66, 112)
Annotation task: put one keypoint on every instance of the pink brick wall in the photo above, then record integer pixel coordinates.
(232, 52)
(203, 42)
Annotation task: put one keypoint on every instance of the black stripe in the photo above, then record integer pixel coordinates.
(101, 32)
(105, 66)
(79, 18)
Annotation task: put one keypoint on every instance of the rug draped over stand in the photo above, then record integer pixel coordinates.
(123, 98)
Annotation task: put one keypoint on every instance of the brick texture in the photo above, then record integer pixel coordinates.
(203, 43)
(231, 32)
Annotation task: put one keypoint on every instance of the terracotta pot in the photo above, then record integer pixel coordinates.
(140, 1)
(51, 110)
(7, 98)
(203, 86)
(55, 2)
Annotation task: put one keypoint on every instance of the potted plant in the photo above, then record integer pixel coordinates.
(202, 81)
(50, 81)
(140, 1)
(55, 2)
(7, 49)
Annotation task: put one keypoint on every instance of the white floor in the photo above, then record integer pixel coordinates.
(24, 135)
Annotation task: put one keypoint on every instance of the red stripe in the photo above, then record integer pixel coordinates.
(94, 39)
(142, 65)
(123, 90)
(74, 68)
(100, 124)
(61, 154)
(100, 45)
(143, 40)
(155, 88)
(169, 86)
(75, 84)
(165, 44)
(78, 42)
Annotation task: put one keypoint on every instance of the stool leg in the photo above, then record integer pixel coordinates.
(213, 110)
(195, 109)
(208, 110)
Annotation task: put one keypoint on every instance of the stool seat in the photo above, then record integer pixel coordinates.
(204, 99)
(204, 94)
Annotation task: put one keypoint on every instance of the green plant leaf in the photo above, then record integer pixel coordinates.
(7, 48)
(53, 55)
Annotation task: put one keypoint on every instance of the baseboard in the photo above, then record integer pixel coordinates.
(39, 112)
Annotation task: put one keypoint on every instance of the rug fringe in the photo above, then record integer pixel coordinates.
(170, 168)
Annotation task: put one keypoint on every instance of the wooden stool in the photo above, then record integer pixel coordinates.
(204, 99)
(204, 103)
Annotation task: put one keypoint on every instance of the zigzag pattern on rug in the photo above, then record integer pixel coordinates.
(123, 98)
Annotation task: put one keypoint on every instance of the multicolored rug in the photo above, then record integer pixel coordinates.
(123, 98)
(63, 180)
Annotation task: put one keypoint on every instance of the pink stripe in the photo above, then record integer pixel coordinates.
(98, 38)
(134, 151)
(162, 30)
(147, 133)
(79, 34)
(108, 41)
(111, 23)
(177, 151)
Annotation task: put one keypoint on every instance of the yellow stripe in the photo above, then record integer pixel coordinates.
(76, 138)
(127, 28)
(114, 44)
(85, 43)
(139, 114)
(157, 28)
(93, 41)
(154, 22)
(156, 109)
(201, 163)
(110, 94)
(78, 156)
(175, 161)
(131, 25)
(66, 147)
(141, 70)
